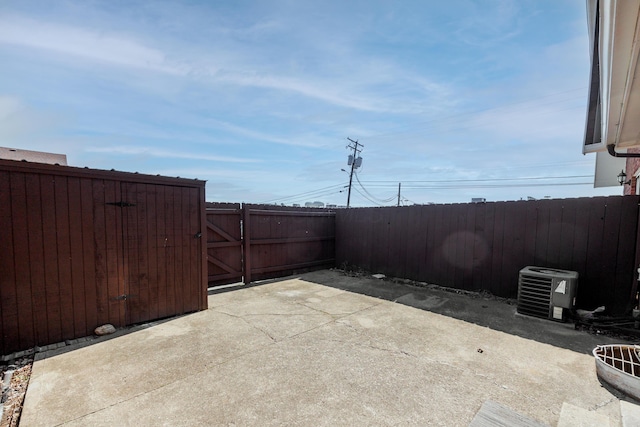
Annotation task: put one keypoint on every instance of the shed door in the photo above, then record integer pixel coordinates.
(162, 252)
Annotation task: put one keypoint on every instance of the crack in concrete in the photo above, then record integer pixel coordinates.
(603, 404)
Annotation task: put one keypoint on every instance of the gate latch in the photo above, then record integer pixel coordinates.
(121, 297)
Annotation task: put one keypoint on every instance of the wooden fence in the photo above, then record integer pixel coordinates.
(484, 245)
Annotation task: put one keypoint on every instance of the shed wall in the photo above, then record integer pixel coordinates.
(73, 258)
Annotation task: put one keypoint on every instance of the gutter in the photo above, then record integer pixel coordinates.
(612, 150)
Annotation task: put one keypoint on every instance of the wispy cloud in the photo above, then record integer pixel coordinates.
(82, 43)
(154, 152)
(350, 89)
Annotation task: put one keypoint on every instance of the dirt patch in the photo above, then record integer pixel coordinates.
(13, 396)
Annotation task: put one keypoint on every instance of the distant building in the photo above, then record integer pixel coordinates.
(314, 205)
(478, 200)
(33, 156)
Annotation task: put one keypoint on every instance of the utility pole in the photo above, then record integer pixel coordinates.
(355, 162)
(399, 185)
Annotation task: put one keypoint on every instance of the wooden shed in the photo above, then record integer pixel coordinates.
(83, 247)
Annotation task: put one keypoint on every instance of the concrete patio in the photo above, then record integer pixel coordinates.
(307, 351)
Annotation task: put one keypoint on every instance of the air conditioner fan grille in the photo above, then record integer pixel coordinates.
(534, 295)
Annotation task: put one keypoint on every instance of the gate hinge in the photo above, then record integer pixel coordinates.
(121, 204)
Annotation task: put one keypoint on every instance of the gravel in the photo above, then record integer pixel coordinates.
(13, 396)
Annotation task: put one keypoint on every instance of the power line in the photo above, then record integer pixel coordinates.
(457, 187)
(365, 196)
(371, 195)
(311, 193)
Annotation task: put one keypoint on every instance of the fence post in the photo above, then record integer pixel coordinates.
(246, 243)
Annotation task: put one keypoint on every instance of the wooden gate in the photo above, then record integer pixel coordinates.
(280, 242)
(256, 242)
(224, 245)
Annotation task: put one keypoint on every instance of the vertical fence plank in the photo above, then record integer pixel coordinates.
(164, 305)
(554, 234)
(178, 241)
(434, 268)
(565, 243)
(116, 267)
(613, 214)
(91, 261)
(51, 265)
(414, 254)
(151, 241)
(456, 246)
(8, 259)
(486, 249)
(18, 279)
(247, 229)
(63, 233)
(590, 293)
(498, 286)
(21, 291)
(77, 258)
(542, 233)
(469, 246)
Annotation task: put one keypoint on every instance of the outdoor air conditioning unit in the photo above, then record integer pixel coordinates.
(546, 292)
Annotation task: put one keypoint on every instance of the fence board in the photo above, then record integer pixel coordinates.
(63, 254)
(34, 280)
(76, 255)
(497, 250)
(487, 245)
(414, 254)
(161, 252)
(624, 287)
(89, 278)
(7, 270)
(14, 331)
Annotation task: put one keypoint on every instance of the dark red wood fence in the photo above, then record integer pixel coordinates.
(484, 245)
(257, 242)
(280, 242)
(81, 248)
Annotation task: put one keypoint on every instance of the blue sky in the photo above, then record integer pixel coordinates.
(455, 99)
